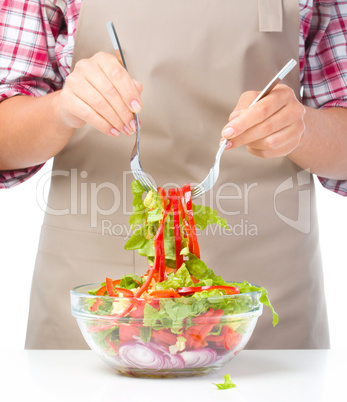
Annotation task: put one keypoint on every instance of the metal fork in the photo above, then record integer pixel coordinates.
(212, 176)
(135, 163)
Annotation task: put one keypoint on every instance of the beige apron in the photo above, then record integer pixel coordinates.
(194, 58)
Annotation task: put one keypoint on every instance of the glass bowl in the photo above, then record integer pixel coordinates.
(166, 337)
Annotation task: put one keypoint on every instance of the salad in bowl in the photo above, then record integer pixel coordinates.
(179, 318)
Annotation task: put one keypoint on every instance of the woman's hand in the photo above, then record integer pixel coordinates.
(100, 92)
(271, 128)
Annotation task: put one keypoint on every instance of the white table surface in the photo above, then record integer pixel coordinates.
(260, 375)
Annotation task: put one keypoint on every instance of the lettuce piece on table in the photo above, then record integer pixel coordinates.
(227, 383)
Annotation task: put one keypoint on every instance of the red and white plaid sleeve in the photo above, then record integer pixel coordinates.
(323, 65)
(36, 47)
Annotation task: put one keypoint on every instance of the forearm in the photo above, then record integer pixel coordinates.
(32, 131)
(323, 146)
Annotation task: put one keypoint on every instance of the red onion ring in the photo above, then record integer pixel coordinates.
(139, 355)
(151, 356)
(199, 357)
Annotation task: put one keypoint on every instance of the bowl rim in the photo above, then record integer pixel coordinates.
(74, 292)
(253, 312)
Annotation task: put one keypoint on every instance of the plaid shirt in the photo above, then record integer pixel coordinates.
(37, 41)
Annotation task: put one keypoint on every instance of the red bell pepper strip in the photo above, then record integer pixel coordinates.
(188, 198)
(145, 285)
(162, 196)
(94, 307)
(188, 290)
(109, 288)
(230, 290)
(102, 290)
(177, 231)
(162, 271)
(159, 237)
(164, 293)
(125, 292)
(186, 228)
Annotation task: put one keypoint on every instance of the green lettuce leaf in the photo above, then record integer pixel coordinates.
(139, 215)
(145, 334)
(176, 280)
(131, 281)
(204, 216)
(246, 287)
(227, 383)
(137, 240)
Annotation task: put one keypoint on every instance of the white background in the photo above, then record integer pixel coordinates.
(20, 221)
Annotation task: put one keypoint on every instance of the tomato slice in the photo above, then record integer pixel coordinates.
(164, 337)
(127, 333)
(231, 337)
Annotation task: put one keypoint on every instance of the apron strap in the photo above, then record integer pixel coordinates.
(270, 15)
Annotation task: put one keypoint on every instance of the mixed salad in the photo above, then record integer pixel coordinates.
(179, 314)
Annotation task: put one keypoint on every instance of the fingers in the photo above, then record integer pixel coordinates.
(121, 80)
(250, 117)
(270, 128)
(102, 93)
(82, 112)
(275, 145)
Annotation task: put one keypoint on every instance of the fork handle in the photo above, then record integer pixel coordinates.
(115, 42)
(276, 79)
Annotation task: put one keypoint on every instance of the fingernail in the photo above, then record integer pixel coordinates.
(135, 106)
(228, 132)
(114, 132)
(132, 124)
(229, 145)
